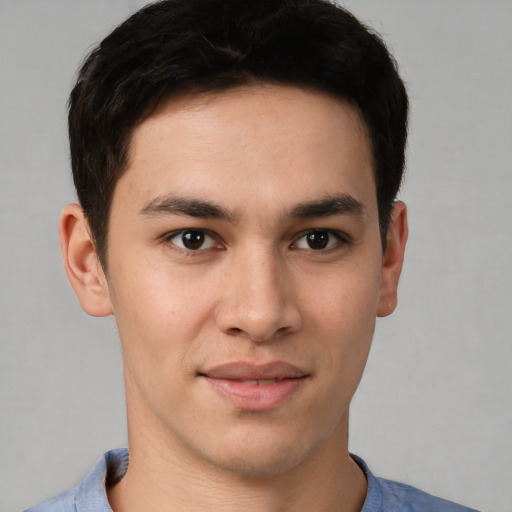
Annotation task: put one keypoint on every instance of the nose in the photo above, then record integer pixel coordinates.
(258, 301)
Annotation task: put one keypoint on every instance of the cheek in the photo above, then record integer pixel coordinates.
(159, 314)
(344, 298)
(342, 313)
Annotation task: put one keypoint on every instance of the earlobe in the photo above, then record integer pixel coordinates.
(393, 259)
(81, 262)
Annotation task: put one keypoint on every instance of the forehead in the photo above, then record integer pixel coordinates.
(266, 142)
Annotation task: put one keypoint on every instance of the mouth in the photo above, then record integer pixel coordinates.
(253, 387)
(262, 382)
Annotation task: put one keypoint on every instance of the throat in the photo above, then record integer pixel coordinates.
(343, 490)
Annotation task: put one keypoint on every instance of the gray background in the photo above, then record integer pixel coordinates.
(434, 408)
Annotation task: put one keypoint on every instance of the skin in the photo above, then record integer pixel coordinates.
(255, 292)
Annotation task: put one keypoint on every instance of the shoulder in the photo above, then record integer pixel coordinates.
(404, 498)
(64, 502)
(90, 494)
(388, 496)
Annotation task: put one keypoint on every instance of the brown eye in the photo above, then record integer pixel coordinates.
(318, 240)
(193, 240)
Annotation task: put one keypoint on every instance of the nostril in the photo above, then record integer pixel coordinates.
(237, 332)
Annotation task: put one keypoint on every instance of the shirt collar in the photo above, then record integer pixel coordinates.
(91, 495)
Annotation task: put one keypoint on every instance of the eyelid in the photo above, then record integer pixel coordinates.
(342, 239)
(171, 235)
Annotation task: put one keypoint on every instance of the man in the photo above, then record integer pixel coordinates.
(237, 164)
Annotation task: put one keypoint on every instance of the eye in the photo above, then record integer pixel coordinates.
(318, 240)
(192, 240)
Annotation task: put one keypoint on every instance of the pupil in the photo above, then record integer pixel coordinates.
(318, 239)
(193, 239)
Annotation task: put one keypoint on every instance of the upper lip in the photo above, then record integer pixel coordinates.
(241, 370)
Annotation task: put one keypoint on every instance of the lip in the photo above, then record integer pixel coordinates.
(255, 387)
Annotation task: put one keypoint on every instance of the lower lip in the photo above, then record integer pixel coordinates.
(252, 397)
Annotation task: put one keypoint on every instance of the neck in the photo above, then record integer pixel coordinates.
(164, 475)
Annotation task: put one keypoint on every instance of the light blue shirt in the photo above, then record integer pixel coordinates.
(382, 496)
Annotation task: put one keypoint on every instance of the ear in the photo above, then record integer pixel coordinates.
(81, 262)
(393, 259)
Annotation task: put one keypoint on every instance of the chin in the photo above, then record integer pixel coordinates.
(259, 456)
(259, 467)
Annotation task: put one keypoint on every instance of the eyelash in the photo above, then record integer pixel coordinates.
(170, 238)
(341, 239)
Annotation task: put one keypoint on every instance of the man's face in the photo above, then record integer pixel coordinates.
(245, 267)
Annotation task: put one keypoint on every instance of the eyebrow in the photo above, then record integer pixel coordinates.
(186, 206)
(341, 204)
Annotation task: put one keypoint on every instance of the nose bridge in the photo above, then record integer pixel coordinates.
(262, 283)
(259, 300)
